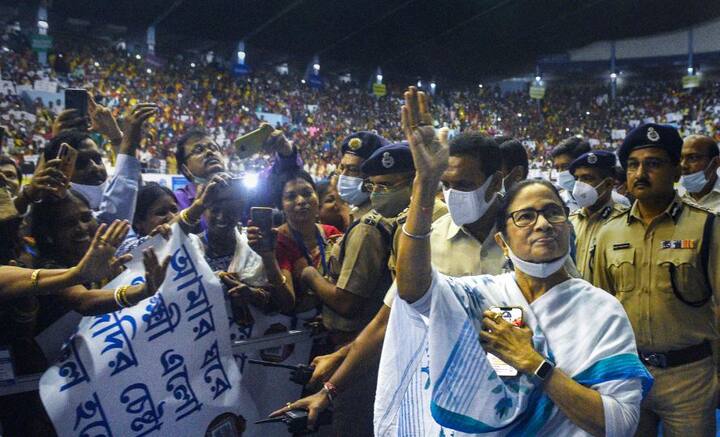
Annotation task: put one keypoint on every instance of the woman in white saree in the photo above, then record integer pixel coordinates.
(577, 367)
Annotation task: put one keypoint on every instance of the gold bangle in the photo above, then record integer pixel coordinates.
(284, 281)
(35, 279)
(123, 295)
(185, 219)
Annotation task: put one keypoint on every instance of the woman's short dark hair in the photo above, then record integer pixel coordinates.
(279, 186)
(512, 193)
(42, 217)
(148, 195)
(5, 160)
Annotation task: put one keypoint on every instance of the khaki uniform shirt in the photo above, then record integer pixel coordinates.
(363, 271)
(358, 212)
(439, 210)
(634, 262)
(586, 229)
(710, 201)
(455, 252)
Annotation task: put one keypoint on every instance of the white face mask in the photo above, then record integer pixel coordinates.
(468, 206)
(350, 190)
(537, 270)
(93, 193)
(694, 182)
(566, 180)
(584, 194)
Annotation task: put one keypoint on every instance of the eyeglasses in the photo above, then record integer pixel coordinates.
(372, 187)
(199, 149)
(553, 213)
(650, 164)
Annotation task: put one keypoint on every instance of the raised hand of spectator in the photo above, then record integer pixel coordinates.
(67, 120)
(133, 126)
(429, 155)
(258, 241)
(103, 122)
(163, 230)
(154, 271)
(47, 181)
(209, 192)
(277, 143)
(99, 261)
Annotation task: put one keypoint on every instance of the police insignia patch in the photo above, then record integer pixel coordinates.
(354, 143)
(592, 158)
(652, 135)
(387, 160)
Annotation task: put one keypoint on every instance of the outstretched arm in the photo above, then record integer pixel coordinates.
(430, 158)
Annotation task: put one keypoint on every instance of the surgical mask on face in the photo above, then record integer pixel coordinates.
(566, 180)
(584, 194)
(694, 182)
(537, 270)
(468, 206)
(391, 203)
(350, 190)
(93, 193)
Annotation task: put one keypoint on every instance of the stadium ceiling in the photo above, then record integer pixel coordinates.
(459, 40)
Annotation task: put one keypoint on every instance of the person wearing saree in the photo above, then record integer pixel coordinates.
(578, 372)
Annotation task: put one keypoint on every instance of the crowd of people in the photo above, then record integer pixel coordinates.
(457, 294)
(207, 94)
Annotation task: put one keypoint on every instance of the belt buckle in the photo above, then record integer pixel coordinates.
(656, 360)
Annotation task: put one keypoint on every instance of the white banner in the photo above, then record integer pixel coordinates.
(618, 134)
(163, 367)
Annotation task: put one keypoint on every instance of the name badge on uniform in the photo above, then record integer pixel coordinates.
(677, 244)
(620, 246)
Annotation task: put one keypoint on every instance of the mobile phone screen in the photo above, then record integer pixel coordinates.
(263, 219)
(512, 315)
(77, 98)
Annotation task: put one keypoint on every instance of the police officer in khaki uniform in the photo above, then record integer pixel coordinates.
(660, 258)
(356, 148)
(699, 162)
(594, 180)
(362, 274)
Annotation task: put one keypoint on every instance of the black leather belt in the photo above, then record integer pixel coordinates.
(679, 357)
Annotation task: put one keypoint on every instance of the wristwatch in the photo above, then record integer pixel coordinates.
(544, 370)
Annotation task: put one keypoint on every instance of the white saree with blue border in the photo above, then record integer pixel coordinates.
(456, 392)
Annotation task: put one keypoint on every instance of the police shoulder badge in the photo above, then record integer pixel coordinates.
(652, 134)
(354, 143)
(387, 160)
(592, 158)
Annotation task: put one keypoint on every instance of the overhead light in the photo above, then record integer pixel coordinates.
(302, 81)
(587, 112)
(613, 76)
(479, 85)
(690, 70)
(97, 64)
(316, 67)
(192, 65)
(519, 114)
(379, 78)
(538, 78)
(148, 71)
(567, 129)
(138, 57)
(419, 84)
(432, 85)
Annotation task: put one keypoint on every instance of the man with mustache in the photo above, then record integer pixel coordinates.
(660, 258)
